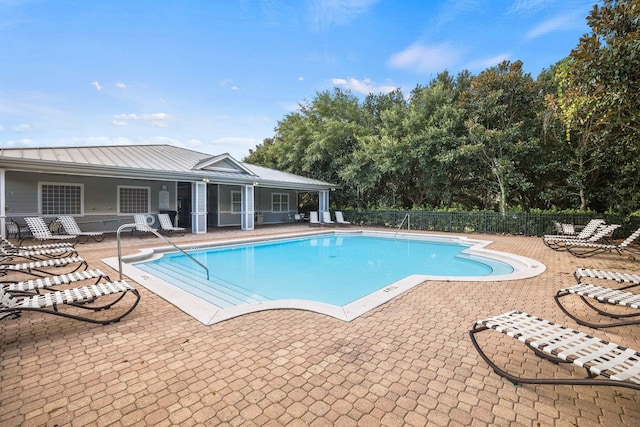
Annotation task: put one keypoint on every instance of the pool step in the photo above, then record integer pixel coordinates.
(194, 281)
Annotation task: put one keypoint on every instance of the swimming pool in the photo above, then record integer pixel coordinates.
(343, 274)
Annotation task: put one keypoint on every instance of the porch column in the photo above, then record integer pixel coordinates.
(323, 202)
(199, 210)
(247, 201)
(3, 203)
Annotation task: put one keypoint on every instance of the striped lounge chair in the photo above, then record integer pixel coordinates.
(44, 268)
(586, 249)
(606, 363)
(35, 285)
(40, 230)
(82, 298)
(71, 227)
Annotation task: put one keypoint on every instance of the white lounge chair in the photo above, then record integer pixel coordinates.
(34, 285)
(40, 230)
(11, 247)
(619, 366)
(70, 226)
(313, 218)
(9, 256)
(618, 276)
(326, 218)
(585, 249)
(560, 244)
(81, 298)
(588, 231)
(166, 225)
(340, 219)
(42, 268)
(141, 224)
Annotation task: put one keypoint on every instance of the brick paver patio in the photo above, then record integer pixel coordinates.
(408, 362)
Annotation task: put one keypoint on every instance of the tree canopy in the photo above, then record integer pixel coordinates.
(568, 139)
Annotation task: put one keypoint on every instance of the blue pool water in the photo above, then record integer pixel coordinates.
(333, 269)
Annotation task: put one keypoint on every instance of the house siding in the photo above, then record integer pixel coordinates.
(100, 197)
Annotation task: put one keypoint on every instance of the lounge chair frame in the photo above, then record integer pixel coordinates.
(49, 302)
(618, 366)
(35, 285)
(587, 249)
(40, 231)
(340, 219)
(614, 297)
(166, 225)
(71, 227)
(559, 243)
(39, 268)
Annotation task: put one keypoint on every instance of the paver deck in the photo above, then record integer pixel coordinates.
(407, 362)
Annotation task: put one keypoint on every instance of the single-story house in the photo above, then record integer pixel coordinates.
(104, 186)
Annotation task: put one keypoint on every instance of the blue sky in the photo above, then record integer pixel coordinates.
(217, 76)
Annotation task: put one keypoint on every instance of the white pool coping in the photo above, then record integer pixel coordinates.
(208, 313)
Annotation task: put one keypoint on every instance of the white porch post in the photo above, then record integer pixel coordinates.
(199, 212)
(323, 201)
(247, 200)
(3, 202)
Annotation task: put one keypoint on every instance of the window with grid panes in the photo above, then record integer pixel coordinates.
(133, 200)
(236, 202)
(279, 202)
(60, 199)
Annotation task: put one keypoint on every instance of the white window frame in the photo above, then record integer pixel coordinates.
(61, 184)
(280, 204)
(137, 187)
(236, 205)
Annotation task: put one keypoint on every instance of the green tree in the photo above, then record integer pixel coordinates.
(501, 107)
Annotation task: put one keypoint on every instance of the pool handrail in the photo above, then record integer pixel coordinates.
(407, 218)
(152, 230)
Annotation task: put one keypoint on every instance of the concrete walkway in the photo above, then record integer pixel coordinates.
(408, 362)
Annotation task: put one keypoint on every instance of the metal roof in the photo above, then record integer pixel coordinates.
(150, 162)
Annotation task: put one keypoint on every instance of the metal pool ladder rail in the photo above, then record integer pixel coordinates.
(160, 236)
(406, 218)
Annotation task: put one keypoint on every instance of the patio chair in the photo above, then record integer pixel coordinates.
(9, 255)
(340, 219)
(166, 225)
(40, 230)
(588, 231)
(586, 249)
(607, 297)
(617, 365)
(70, 226)
(35, 285)
(40, 268)
(82, 298)
(141, 225)
(560, 243)
(313, 218)
(10, 246)
(326, 218)
(13, 228)
(618, 276)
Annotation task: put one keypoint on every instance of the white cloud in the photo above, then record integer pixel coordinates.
(549, 26)
(300, 79)
(1, 128)
(362, 86)
(97, 86)
(23, 142)
(338, 12)
(426, 59)
(121, 85)
(483, 63)
(155, 119)
(23, 128)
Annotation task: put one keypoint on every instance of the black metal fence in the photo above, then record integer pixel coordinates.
(518, 223)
